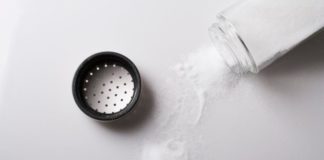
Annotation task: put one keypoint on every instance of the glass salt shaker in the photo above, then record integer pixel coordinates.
(251, 34)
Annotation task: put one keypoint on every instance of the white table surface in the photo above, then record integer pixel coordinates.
(275, 115)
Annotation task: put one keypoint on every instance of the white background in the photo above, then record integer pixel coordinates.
(277, 114)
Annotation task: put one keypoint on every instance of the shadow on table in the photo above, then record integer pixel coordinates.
(138, 116)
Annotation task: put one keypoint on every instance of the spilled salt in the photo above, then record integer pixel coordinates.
(205, 71)
(198, 77)
(167, 150)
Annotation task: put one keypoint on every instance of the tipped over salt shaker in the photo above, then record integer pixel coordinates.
(252, 34)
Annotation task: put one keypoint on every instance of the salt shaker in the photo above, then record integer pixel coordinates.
(251, 34)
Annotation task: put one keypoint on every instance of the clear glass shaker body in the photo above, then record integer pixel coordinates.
(252, 34)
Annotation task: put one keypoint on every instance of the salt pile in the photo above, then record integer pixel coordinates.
(206, 73)
(200, 76)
